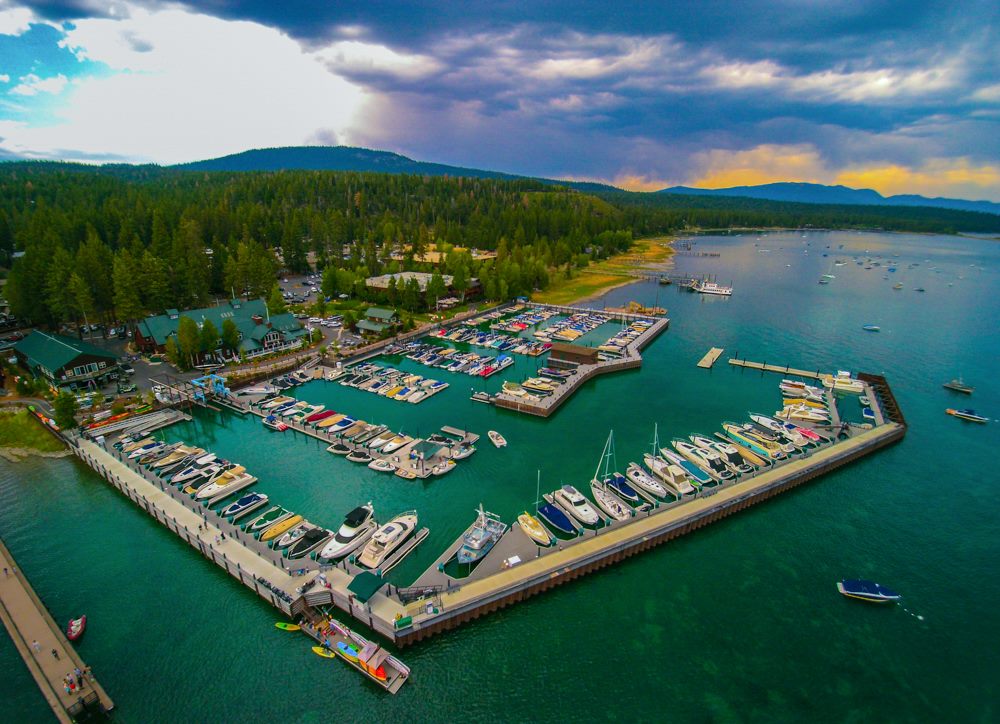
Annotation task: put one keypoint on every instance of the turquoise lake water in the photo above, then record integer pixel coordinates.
(740, 621)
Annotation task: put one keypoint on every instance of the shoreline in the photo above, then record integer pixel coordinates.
(20, 454)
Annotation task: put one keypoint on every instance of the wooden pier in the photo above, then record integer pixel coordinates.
(710, 358)
(780, 369)
(36, 636)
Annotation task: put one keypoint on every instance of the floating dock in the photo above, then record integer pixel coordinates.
(710, 358)
(784, 370)
(28, 621)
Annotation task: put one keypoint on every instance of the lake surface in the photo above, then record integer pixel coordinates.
(740, 621)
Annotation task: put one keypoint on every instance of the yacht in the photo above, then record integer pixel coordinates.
(672, 475)
(481, 538)
(959, 386)
(767, 449)
(706, 287)
(145, 447)
(695, 472)
(387, 539)
(729, 454)
(620, 487)
(395, 443)
(968, 415)
(354, 532)
(576, 505)
(768, 438)
(229, 480)
(158, 454)
(641, 479)
(843, 382)
(196, 469)
(801, 412)
(705, 458)
(555, 517)
(792, 435)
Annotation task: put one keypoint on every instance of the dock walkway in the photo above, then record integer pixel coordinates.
(710, 358)
(28, 621)
(784, 370)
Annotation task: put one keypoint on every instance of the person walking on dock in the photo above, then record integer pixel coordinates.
(36, 646)
(55, 654)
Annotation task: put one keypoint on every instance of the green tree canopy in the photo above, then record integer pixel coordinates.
(275, 302)
(230, 335)
(65, 408)
(188, 341)
(209, 338)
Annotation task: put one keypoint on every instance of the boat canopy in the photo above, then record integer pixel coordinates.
(365, 585)
(357, 516)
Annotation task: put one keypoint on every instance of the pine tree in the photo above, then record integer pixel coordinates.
(275, 302)
(155, 284)
(65, 408)
(128, 301)
(188, 341)
(209, 338)
(435, 288)
(230, 335)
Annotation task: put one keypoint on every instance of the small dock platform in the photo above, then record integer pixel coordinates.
(31, 626)
(711, 357)
(780, 369)
(464, 436)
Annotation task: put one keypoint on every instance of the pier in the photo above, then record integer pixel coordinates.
(710, 358)
(532, 570)
(784, 370)
(632, 359)
(28, 621)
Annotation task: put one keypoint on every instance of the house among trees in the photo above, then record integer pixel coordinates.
(377, 320)
(423, 279)
(256, 331)
(65, 361)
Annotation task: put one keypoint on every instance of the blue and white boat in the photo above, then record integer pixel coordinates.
(481, 538)
(619, 485)
(697, 475)
(557, 519)
(250, 501)
(867, 591)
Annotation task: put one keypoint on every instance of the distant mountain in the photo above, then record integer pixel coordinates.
(820, 194)
(349, 158)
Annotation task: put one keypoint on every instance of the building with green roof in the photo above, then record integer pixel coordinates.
(377, 320)
(259, 330)
(65, 361)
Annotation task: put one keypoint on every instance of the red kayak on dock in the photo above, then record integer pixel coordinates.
(76, 627)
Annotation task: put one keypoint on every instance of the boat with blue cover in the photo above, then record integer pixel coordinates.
(619, 485)
(247, 503)
(867, 591)
(557, 519)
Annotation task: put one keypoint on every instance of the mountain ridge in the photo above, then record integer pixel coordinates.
(811, 193)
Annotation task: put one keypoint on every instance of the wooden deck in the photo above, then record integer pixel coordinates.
(28, 621)
(710, 358)
(780, 369)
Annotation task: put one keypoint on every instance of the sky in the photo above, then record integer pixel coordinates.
(902, 96)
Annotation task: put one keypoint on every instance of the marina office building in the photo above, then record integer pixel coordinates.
(65, 361)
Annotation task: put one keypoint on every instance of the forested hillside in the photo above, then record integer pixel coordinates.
(119, 241)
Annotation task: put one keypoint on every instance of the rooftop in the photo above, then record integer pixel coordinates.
(423, 279)
(54, 351)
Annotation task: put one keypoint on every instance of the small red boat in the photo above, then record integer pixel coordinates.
(75, 628)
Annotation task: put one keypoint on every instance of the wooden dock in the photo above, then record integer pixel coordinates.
(36, 636)
(710, 358)
(782, 370)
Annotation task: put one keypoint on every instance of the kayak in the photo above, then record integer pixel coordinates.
(325, 653)
(76, 627)
(348, 652)
(287, 626)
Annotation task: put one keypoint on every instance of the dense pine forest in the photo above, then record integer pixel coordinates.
(119, 241)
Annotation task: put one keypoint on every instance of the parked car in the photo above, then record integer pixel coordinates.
(126, 368)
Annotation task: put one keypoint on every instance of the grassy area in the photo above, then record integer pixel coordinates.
(604, 275)
(19, 429)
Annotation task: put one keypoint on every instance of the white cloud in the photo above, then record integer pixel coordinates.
(354, 56)
(990, 94)
(185, 86)
(14, 20)
(862, 86)
(4, 78)
(31, 85)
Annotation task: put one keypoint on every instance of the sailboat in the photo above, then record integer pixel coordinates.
(604, 497)
(531, 526)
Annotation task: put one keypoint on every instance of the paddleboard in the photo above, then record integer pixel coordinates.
(348, 652)
(287, 626)
(325, 653)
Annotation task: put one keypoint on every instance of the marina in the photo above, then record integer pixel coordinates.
(297, 474)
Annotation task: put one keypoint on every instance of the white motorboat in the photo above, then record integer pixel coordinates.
(396, 443)
(793, 436)
(609, 502)
(357, 528)
(462, 451)
(641, 479)
(708, 460)
(293, 535)
(576, 505)
(800, 412)
(843, 382)
(497, 439)
(387, 539)
(444, 467)
(229, 480)
(383, 466)
(381, 440)
(731, 455)
(673, 476)
(195, 470)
